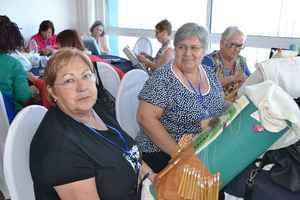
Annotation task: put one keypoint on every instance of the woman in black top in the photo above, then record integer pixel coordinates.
(79, 152)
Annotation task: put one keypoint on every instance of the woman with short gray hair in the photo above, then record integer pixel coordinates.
(231, 68)
(230, 31)
(192, 30)
(177, 98)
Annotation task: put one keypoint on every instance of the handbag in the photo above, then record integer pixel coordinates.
(281, 182)
(104, 97)
(286, 169)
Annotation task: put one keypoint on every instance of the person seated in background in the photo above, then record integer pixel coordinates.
(78, 151)
(70, 38)
(44, 42)
(13, 78)
(177, 98)
(97, 32)
(231, 68)
(163, 31)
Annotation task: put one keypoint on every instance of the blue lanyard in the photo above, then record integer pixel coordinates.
(125, 149)
(199, 97)
(127, 153)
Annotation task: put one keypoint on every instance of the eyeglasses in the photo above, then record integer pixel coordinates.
(235, 45)
(71, 82)
(192, 48)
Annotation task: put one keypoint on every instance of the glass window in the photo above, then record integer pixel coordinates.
(145, 14)
(256, 17)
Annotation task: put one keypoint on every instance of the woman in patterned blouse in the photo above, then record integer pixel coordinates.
(177, 97)
(231, 68)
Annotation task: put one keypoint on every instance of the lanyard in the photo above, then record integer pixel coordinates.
(127, 153)
(125, 149)
(199, 97)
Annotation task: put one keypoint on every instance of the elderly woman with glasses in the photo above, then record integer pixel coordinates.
(78, 151)
(177, 97)
(231, 68)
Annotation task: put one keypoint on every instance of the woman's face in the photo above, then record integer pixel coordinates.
(232, 46)
(98, 30)
(47, 34)
(74, 88)
(161, 36)
(189, 53)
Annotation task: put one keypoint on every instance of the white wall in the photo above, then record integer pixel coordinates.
(30, 13)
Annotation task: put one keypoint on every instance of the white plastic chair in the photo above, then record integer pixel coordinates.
(143, 45)
(16, 152)
(4, 125)
(127, 100)
(109, 77)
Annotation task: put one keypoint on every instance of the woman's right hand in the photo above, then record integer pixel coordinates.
(141, 58)
(46, 51)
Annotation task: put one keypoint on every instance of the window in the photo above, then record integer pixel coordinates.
(132, 18)
(145, 14)
(267, 23)
(257, 17)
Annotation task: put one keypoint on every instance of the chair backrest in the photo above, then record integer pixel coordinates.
(143, 45)
(109, 77)
(91, 44)
(16, 152)
(127, 100)
(4, 125)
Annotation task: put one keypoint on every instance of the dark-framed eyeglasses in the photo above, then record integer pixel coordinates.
(235, 45)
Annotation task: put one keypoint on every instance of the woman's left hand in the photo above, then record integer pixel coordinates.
(152, 176)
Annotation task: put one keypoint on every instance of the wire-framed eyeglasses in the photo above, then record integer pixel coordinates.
(71, 81)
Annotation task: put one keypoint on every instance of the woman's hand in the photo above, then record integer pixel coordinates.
(146, 172)
(240, 78)
(31, 77)
(152, 176)
(46, 51)
(142, 58)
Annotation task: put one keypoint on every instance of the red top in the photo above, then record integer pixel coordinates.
(42, 43)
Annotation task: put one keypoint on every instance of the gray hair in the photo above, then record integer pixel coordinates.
(192, 30)
(229, 31)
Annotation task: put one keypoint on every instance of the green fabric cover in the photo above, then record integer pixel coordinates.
(237, 146)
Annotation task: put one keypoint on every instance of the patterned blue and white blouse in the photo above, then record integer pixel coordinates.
(183, 110)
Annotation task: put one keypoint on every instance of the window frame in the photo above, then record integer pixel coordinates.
(257, 41)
